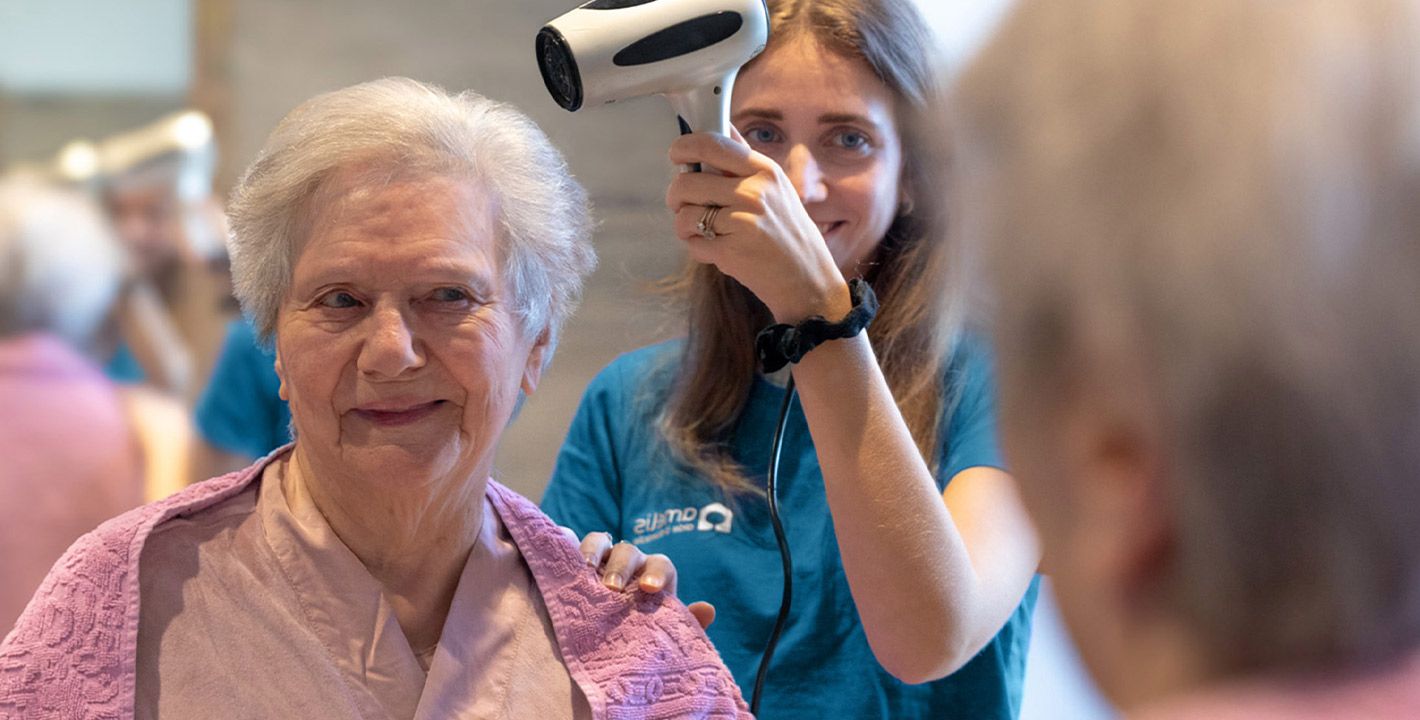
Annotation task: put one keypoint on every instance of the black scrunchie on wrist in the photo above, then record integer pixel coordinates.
(778, 345)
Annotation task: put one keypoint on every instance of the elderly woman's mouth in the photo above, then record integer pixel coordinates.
(394, 415)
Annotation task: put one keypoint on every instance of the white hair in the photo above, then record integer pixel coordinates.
(60, 265)
(401, 126)
(1229, 191)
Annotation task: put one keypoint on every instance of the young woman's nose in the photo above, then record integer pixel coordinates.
(392, 347)
(805, 174)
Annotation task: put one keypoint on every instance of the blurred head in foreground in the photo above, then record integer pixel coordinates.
(1202, 221)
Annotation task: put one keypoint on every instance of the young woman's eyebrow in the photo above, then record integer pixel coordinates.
(849, 119)
(761, 113)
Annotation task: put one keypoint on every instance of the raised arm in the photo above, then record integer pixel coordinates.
(934, 575)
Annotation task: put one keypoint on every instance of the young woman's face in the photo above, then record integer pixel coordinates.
(831, 124)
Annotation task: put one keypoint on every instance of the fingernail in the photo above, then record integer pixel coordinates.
(654, 584)
(588, 559)
(614, 581)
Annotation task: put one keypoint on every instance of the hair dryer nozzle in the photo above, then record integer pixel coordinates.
(559, 68)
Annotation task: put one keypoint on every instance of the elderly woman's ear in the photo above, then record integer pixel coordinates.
(1110, 486)
(281, 389)
(537, 361)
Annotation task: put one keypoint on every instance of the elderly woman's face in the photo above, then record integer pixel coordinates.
(397, 345)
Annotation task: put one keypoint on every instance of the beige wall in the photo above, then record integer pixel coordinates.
(283, 51)
(34, 127)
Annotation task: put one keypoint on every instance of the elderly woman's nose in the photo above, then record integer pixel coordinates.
(804, 174)
(392, 347)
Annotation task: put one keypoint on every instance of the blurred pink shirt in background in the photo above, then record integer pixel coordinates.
(70, 460)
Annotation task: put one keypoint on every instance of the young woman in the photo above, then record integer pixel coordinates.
(914, 563)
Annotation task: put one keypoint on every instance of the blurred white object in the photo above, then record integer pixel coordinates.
(69, 47)
(1057, 686)
(177, 147)
(77, 162)
(962, 26)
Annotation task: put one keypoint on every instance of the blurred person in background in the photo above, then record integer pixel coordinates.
(1203, 225)
(174, 330)
(412, 256)
(155, 183)
(77, 448)
(914, 562)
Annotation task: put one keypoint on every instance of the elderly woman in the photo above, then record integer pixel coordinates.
(1203, 218)
(412, 255)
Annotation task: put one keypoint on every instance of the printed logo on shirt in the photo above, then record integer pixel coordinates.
(714, 517)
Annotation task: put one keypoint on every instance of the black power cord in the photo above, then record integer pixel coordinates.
(772, 490)
(775, 347)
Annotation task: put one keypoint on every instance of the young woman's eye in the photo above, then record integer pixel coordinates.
(853, 140)
(338, 300)
(761, 135)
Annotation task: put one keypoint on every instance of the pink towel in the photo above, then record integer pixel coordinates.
(72, 653)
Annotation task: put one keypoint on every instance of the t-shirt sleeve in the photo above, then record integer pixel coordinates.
(585, 490)
(240, 410)
(971, 439)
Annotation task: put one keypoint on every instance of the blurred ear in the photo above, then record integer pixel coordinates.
(1123, 525)
(537, 356)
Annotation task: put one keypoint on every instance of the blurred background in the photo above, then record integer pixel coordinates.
(85, 69)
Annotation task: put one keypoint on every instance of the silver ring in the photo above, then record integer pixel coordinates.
(706, 226)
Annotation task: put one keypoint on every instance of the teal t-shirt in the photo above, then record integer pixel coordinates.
(123, 367)
(615, 474)
(241, 410)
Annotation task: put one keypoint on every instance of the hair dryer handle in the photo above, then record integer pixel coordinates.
(704, 109)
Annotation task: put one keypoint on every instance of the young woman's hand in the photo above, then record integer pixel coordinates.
(762, 235)
(621, 563)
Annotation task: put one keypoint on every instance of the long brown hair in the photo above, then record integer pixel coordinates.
(913, 331)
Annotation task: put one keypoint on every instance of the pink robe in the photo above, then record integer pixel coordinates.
(73, 652)
(255, 603)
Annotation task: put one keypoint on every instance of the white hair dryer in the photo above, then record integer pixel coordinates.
(686, 50)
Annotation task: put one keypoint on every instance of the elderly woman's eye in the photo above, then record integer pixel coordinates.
(338, 300)
(450, 295)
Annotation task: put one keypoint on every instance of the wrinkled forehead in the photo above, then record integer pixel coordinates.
(377, 195)
(395, 223)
